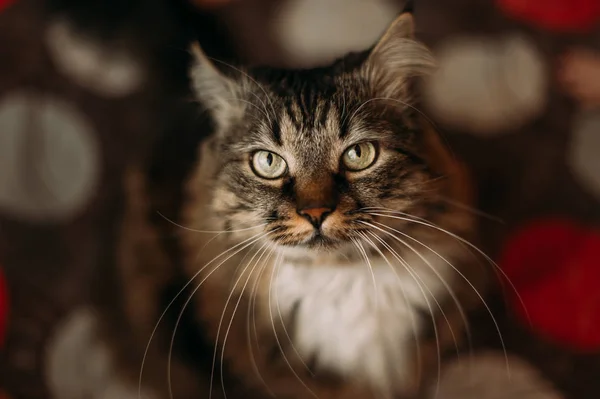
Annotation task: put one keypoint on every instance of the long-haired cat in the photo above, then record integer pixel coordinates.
(320, 236)
(336, 269)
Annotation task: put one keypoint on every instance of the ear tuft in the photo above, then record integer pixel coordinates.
(402, 27)
(397, 58)
(216, 92)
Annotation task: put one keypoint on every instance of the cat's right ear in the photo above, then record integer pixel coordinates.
(218, 93)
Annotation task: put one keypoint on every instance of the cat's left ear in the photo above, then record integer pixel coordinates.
(396, 58)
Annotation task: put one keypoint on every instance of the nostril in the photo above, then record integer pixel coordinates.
(315, 215)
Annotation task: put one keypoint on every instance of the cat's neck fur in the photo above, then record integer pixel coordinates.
(361, 317)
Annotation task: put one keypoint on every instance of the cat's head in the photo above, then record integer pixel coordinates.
(310, 155)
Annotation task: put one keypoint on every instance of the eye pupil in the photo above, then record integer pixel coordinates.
(359, 156)
(268, 165)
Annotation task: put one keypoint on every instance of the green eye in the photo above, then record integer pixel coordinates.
(268, 165)
(359, 156)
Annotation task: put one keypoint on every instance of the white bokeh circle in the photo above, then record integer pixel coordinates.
(49, 158)
(316, 32)
(487, 86)
(79, 364)
(109, 71)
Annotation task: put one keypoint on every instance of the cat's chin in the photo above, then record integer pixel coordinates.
(318, 241)
(317, 246)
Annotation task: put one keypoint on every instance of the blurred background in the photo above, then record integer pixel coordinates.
(87, 88)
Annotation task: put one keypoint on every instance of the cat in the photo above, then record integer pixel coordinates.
(319, 236)
(326, 189)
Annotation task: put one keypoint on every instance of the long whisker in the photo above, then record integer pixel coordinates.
(287, 334)
(427, 222)
(406, 300)
(263, 248)
(207, 243)
(246, 245)
(454, 339)
(361, 250)
(414, 219)
(161, 317)
(252, 316)
(218, 330)
(276, 269)
(208, 231)
(489, 310)
(266, 248)
(437, 274)
(474, 211)
(422, 221)
(237, 269)
(420, 285)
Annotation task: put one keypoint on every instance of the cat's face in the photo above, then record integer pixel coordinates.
(311, 155)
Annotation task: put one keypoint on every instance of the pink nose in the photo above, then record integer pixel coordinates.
(316, 216)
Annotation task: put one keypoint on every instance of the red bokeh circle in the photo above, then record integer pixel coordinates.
(5, 3)
(568, 16)
(555, 267)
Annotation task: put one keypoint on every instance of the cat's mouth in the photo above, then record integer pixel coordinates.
(319, 240)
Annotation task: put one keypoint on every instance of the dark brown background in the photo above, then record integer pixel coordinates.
(521, 175)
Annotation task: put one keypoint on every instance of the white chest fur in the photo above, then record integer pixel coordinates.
(358, 323)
